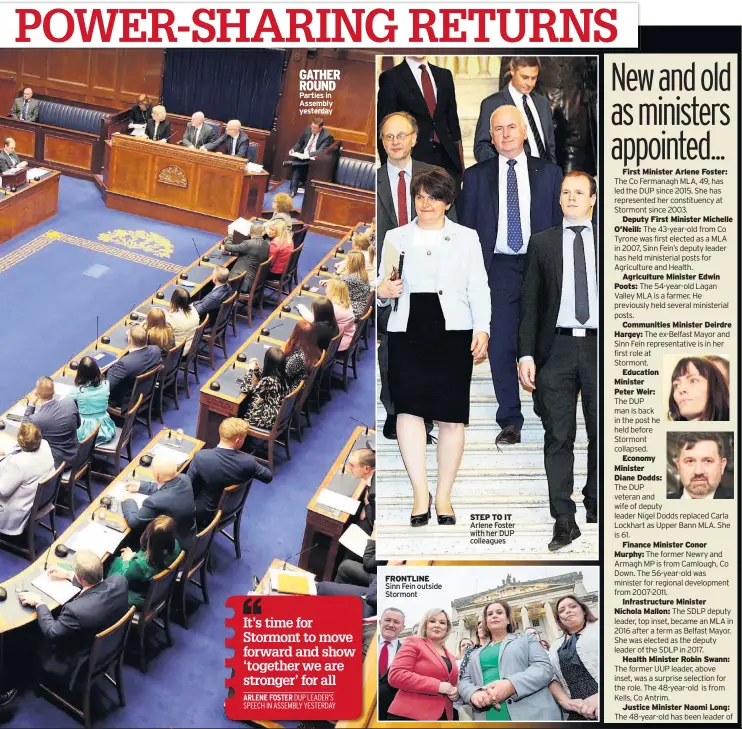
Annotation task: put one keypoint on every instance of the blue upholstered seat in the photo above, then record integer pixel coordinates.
(356, 173)
(215, 126)
(252, 152)
(70, 117)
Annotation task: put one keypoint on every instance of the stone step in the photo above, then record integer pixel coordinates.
(529, 542)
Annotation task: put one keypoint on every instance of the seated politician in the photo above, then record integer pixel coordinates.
(282, 207)
(21, 469)
(158, 549)
(233, 142)
(69, 637)
(141, 112)
(25, 107)
(8, 158)
(171, 494)
(158, 127)
(314, 139)
(216, 297)
(251, 252)
(139, 358)
(213, 469)
(281, 246)
(265, 388)
(182, 317)
(197, 133)
(58, 421)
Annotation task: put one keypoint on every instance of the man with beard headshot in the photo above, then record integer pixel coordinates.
(701, 460)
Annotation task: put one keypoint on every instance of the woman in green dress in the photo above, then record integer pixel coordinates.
(91, 394)
(507, 678)
(158, 549)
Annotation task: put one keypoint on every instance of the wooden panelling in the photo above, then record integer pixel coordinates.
(25, 139)
(338, 208)
(71, 152)
(110, 78)
(30, 206)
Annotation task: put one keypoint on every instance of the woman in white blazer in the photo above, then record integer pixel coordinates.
(20, 472)
(575, 658)
(438, 328)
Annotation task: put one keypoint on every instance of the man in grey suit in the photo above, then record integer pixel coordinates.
(26, 107)
(519, 92)
(8, 157)
(58, 420)
(197, 133)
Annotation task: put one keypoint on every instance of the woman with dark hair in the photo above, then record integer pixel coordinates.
(699, 391)
(302, 353)
(159, 332)
(438, 328)
(575, 658)
(91, 394)
(508, 665)
(265, 389)
(158, 549)
(323, 321)
(182, 317)
(721, 364)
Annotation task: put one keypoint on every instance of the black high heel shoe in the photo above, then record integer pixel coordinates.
(417, 520)
(446, 519)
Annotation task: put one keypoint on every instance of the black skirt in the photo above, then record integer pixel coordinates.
(430, 368)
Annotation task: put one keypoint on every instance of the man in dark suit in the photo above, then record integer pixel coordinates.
(197, 133)
(8, 156)
(313, 140)
(171, 494)
(58, 421)
(216, 297)
(69, 637)
(213, 469)
(519, 92)
(390, 626)
(427, 93)
(235, 142)
(506, 199)
(140, 358)
(352, 572)
(557, 348)
(251, 253)
(701, 461)
(25, 107)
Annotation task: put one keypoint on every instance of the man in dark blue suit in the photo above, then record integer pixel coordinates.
(213, 469)
(69, 637)
(235, 142)
(506, 200)
(58, 421)
(524, 71)
(140, 358)
(216, 297)
(171, 495)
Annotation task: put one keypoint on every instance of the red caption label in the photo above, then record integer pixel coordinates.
(295, 658)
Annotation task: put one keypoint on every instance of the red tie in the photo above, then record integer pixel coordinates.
(384, 658)
(429, 95)
(402, 200)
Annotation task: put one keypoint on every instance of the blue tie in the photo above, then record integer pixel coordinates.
(24, 116)
(515, 232)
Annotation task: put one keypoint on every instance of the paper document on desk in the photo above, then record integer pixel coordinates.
(17, 410)
(355, 539)
(293, 582)
(120, 493)
(7, 444)
(338, 501)
(241, 226)
(96, 538)
(59, 590)
(176, 454)
(35, 173)
(300, 155)
(63, 390)
(253, 167)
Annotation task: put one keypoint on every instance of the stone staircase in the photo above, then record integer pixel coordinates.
(510, 481)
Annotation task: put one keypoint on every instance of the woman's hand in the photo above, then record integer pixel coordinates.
(591, 707)
(479, 346)
(575, 705)
(127, 554)
(445, 687)
(499, 690)
(390, 289)
(480, 700)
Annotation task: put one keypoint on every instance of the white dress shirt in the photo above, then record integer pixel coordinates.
(566, 316)
(198, 134)
(688, 497)
(393, 173)
(524, 203)
(311, 144)
(518, 99)
(418, 74)
(234, 144)
(421, 260)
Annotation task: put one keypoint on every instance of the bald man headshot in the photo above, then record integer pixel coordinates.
(233, 142)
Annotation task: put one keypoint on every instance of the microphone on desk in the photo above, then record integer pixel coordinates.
(64, 369)
(197, 251)
(345, 462)
(46, 561)
(96, 333)
(298, 554)
(266, 332)
(399, 277)
(367, 427)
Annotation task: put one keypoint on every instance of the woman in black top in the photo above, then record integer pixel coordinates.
(141, 112)
(325, 325)
(302, 353)
(158, 127)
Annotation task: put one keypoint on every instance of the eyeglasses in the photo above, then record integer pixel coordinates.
(401, 137)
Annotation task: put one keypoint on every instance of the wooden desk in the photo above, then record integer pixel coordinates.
(179, 185)
(325, 525)
(229, 401)
(32, 204)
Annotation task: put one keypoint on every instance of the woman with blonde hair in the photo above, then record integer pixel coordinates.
(158, 127)
(281, 246)
(159, 332)
(425, 673)
(362, 242)
(356, 279)
(338, 294)
(282, 207)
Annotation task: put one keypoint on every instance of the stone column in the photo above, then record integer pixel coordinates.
(552, 629)
(524, 617)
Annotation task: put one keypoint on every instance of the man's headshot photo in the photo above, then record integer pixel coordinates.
(700, 465)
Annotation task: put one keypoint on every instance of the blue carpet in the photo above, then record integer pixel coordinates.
(57, 305)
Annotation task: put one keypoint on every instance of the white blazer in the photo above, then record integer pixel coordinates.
(462, 285)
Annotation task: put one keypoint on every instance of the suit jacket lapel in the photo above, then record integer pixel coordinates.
(534, 180)
(494, 185)
(385, 193)
(508, 96)
(439, 657)
(409, 77)
(558, 261)
(439, 78)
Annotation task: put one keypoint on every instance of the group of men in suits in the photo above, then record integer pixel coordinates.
(543, 286)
